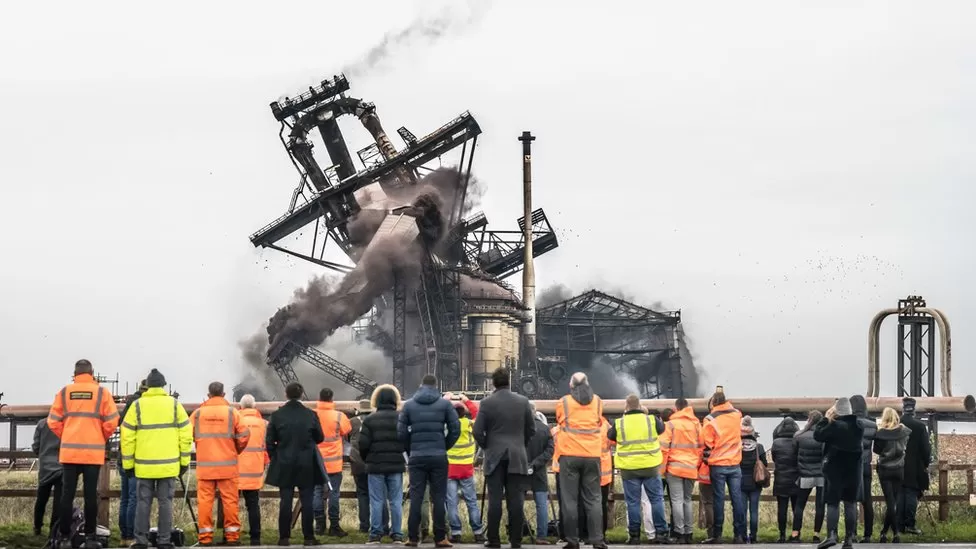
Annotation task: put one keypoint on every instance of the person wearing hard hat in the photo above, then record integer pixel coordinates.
(156, 438)
(251, 466)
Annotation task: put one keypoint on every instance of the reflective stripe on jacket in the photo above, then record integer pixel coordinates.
(156, 436)
(606, 455)
(704, 474)
(83, 416)
(721, 436)
(580, 426)
(462, 453)
(220, 436)
(335, 425)
(637, 442)
(680, 444)
(254, 458)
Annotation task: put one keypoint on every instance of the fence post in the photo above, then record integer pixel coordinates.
(104, 502)
(943, 491)
(969, 481)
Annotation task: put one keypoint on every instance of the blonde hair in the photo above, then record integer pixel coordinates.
(889, 419)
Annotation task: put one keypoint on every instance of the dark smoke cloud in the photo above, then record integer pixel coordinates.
(551, 295)
(426, 29)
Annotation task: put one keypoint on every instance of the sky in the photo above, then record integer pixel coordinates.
(778, 172)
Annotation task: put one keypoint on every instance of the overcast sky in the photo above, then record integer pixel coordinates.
(779, 172)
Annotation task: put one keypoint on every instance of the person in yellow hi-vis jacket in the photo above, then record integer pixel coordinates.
(155, 447)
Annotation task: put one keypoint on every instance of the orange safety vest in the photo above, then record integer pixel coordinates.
(335, 425)
(83, 416)
(721, 436)
(555, 451)
(251, 463)
(606, 455)
(220, 436)
(581, 427)
(679, 443)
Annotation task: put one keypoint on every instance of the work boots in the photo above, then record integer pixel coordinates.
(320, 525)
(337, 532)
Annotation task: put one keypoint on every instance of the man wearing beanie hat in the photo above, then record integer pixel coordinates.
(155, 448)
(841, 434)
(918, 456)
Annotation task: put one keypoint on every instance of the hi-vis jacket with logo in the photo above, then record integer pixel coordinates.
(83, 416)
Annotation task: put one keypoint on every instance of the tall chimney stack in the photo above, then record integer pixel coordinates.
(530, 353)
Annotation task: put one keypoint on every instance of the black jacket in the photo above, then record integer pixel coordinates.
(751, 451)
(787, 470)
(292, 438)
(918, 454)
(809, 454)
(842, 439)
(47, 447)
(540, 454)
(890, 446)
(379, 444)
(422, 423)
(504, 427)
(860, 407)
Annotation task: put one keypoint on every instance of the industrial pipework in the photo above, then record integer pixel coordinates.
(528, 271)
(912, 312)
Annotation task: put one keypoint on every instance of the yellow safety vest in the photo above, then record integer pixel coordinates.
(462, 453)
(637, 444)
(156, 436)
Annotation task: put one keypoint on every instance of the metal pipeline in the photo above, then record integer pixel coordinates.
(528, 268)
(945, 348)
(755, 406)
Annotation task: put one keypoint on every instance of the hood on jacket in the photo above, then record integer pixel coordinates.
(250, 412)
(582, 393)
(786, 428)
(685, 413)
(385, 397)
(427, 394)
(859, 405)
(541, 418)
(899, 432)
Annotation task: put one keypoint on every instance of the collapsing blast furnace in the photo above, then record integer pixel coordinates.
(427, 282)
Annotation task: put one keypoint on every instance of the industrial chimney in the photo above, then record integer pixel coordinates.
(528, 272)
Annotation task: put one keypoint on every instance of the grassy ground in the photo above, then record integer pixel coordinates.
(16, 519)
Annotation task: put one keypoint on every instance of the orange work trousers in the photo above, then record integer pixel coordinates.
(206, 491)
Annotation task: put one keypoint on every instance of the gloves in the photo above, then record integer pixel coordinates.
(183, 470)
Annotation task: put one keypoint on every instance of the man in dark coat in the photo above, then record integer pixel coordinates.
(841, 434)
(540, 452)
(422, 425)
(860, 407)
(291, 441)
(786, 474)
(127, 499)
(918, 456)
(382, 451)
(46, 447)
(504, 427)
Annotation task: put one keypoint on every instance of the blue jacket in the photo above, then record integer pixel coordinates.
(422, 423)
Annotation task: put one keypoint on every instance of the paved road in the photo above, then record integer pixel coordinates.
(757, 546)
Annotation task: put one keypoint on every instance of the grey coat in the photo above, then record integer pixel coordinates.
(504, 427)
(46, 447)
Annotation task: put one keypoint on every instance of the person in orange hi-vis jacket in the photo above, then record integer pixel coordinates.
(220, 436)
(721, 437)
(251, 465)
(335, 426)
(83, 416)
(682, 458)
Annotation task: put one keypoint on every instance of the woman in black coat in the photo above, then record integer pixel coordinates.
(890, 442)
(809, 462)
(842, 435)
(786, 474)
(752, 452)
(292, 438)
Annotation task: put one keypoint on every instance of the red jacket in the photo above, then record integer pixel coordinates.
(464, 471)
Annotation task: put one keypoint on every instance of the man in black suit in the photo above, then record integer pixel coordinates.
(504, 427)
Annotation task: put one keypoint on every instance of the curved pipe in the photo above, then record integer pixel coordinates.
(945, 347)
(874, 353)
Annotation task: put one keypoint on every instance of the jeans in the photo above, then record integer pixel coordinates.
(385, 489)
(581, 475)
(127, 508)
(48, 490)
(728, 477)
(362, 497)
(655, 493)
(865, 493)
(752, 510)
(892, 493)
(680, 491)
(541, 514)
(89, 475)
(426, 470)
(252, 500)
(784, 505)
(511, 487)
(908, 506)
(318, 509)
(162, 489)
(801, 502)
(305, 494)
(470, 495)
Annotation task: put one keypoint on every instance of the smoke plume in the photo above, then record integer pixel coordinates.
(551, 295)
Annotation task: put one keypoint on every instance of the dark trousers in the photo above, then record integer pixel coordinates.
(306, 494)
(605, 508)
(784, 504)
(561, 532)
(892, 494)
(581, 475)
(253, 504)
(511, 487)
(850, 519)
(908, 506)
(44, 492)
(801, 503)
(866, 506)
(424, 471)
(708, 502)
(89, 476)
